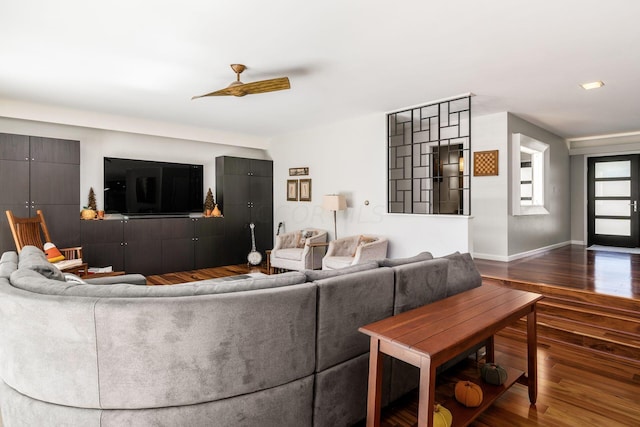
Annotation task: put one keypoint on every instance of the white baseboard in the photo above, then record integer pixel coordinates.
(579, 242)
(503, 258)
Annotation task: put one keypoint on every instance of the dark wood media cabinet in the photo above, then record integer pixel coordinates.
(154, 245)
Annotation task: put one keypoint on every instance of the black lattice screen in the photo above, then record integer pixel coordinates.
(429, 153)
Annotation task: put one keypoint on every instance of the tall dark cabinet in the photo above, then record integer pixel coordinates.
(244, 192)
(40, 173)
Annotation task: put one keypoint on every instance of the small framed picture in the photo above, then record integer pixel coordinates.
(305, 190)
(292, 190)
(298, 171)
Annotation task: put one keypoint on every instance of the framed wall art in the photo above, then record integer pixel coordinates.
(292, 190)
(485, 163)
(298, 171)
(305, 190)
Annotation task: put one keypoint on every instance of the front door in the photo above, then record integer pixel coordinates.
(613, 200)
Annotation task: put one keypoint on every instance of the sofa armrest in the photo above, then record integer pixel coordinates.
(371, 251)
(131, 279)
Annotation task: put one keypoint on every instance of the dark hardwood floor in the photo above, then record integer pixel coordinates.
(581, 382)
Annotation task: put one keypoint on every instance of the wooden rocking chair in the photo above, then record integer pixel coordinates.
(30, 231)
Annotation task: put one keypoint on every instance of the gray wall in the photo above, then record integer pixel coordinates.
(578, 199)
(531, 232)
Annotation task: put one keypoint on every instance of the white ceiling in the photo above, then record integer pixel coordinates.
(147, 58)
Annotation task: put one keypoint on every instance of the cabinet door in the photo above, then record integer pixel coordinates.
(261, 188)
(237, 234)
(14, 147)
(63, 222)
(209, 242)
(262, 217)
(233, 165)
(177, 245)
(52, 150)
(55, 184)
(236, 189)
(14, 197)
(102, 243)
(143, 246)
(261, 167)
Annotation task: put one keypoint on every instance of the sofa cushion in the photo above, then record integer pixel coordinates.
(392, 262)
(34, 259)
(419, 283)
(294, 254)
(312, 275)
(303, 235)
(337, 262)
(462, 274)
(345, 303)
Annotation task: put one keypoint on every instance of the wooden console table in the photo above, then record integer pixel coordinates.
(432, 334)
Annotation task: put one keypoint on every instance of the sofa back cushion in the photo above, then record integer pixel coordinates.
(346, 302)
(92, 350)
(419, 283)
(34, 259)
(32, 281)
(462, 273)
(312, 275)
(392, 262)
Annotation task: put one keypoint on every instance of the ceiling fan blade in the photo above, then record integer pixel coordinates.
(263, 86)
(242, 89)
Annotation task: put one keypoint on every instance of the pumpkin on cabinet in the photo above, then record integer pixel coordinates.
(468, 393)
(493, 374)
(441, 416)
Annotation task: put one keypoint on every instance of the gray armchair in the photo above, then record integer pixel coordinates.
(354, 250)
(292, 250)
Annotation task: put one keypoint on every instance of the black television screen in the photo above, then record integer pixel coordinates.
(143, 187)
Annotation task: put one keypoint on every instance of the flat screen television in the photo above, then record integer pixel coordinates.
(144, 187)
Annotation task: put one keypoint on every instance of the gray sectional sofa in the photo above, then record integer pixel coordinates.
(281, 350)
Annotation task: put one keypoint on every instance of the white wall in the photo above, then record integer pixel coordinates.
(350, 158)
(489, 194)
(498, 235)
(95, 144)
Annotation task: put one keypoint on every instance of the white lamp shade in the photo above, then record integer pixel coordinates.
(334, 202)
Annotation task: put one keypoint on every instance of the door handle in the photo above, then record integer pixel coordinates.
(635, 205)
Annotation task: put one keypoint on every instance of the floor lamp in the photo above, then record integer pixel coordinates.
(334, 202)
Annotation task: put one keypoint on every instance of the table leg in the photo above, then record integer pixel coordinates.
(374, 396)
(427, 392)
(490, 349)
(532, 355)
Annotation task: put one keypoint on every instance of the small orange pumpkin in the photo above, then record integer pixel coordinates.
(468, 393)
(441, 416)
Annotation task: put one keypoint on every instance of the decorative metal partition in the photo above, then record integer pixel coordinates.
(429, 151)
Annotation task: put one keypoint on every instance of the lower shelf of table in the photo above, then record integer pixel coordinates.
(470, 371)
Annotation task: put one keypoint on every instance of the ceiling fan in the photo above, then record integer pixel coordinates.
(238, 88)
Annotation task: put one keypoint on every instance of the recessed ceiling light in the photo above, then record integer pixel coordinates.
(592, 85)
